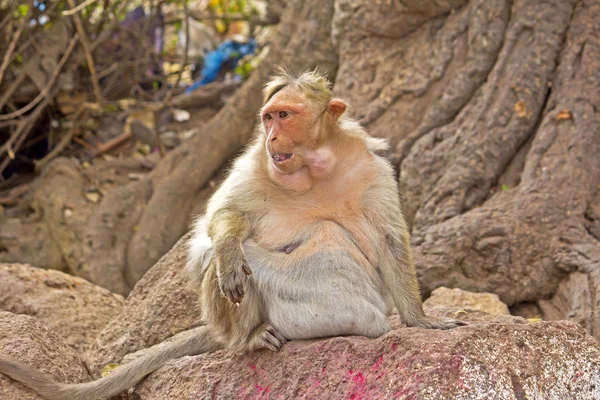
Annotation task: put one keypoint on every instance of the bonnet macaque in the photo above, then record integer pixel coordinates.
(304, 239)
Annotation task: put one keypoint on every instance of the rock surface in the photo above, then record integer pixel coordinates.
(24, 338)
(550, 360)
(161, 304)
(488, 302)
(72, 308)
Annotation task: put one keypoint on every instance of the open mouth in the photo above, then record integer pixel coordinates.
(281, 157)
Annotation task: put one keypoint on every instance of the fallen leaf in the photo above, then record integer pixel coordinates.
(108, 368)
(68, 212)
(534, 319)
(564, 114)
(521, 109)
(181, 115)
(94, 197)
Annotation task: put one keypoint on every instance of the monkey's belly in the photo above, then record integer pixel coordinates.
(324, 294)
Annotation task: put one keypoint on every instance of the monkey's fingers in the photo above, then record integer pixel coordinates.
(246, 269)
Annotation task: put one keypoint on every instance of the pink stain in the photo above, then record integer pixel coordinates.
(262, 390)
(252, 366)
(377, 364)
(359, 379)
(394, 346)
(323, 371)
(456, 362)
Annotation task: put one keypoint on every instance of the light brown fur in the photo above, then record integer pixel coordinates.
(304, 239)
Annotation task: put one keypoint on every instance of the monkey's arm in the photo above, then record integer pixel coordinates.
(400, 275)
(228, 229)
(192, 342)
(396, 265)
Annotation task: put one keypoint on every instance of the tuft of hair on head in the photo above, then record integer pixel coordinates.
(313, 84)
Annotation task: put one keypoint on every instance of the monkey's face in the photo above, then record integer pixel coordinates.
(287, 119)
(295, 127)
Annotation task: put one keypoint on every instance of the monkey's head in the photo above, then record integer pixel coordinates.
(299, 116)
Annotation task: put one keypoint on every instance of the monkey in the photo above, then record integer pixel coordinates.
(304, 239)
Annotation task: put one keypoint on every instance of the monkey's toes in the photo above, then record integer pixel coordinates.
(270, 338)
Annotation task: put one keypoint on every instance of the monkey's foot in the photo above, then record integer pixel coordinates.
(438, 323)
(266, 336)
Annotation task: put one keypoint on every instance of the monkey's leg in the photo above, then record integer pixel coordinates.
(228, 229)
(243, 327)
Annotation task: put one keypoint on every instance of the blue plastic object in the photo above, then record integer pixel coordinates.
(229, 50)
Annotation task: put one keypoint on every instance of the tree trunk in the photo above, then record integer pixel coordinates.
(494, 110)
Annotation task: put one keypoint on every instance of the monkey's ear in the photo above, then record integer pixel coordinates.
(336, 108)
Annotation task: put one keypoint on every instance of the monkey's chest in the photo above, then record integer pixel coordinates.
(302, 232)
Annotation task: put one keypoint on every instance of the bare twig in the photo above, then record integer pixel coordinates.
(74, 10)
(111, 144)
(11, 89)
(88, 54)
(9, 14)
(21, 133)
(169, 95)
(13, 43)
(65, 140)
(12, 197)
(48, 86)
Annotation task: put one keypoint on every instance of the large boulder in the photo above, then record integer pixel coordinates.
(73, 308)
(161, 304)
(509, 360)
(446, 297)
(26, 339)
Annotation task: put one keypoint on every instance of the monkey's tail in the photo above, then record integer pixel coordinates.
(195, 341)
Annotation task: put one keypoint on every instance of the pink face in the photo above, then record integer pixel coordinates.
(293, 129)
(289, 128)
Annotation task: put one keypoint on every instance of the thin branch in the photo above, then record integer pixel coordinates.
(65, 140)
(48, 86)
(88, 54)
(21, 133)
(11, 89)
(9, 14)
(78, 8)
(169, 95)
(13, 43)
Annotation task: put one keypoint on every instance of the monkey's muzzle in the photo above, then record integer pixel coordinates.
(280, 157)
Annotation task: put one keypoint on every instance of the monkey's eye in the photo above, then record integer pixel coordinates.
(283, 114)
(268, 117)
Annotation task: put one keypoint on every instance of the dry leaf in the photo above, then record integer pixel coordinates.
(94, 197)
(564, 114)
(521, 109)
(108, 368)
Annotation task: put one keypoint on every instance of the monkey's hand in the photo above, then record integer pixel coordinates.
(232, 269)
(429, 322)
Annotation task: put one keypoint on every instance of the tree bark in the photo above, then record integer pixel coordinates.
(490, 95)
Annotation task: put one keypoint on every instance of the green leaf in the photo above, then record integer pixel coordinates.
(108, 368)
(23, 9)
(505, 188)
